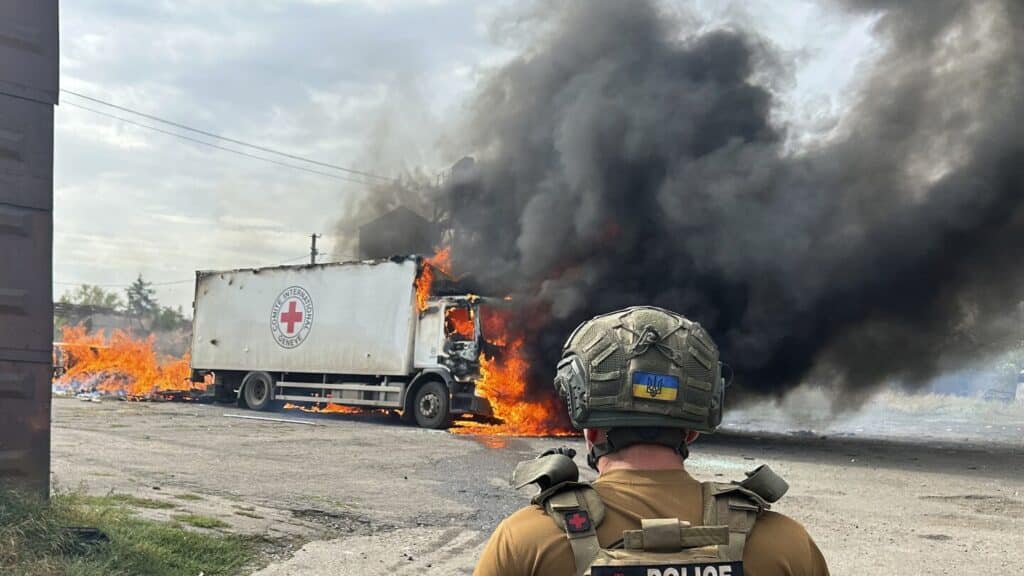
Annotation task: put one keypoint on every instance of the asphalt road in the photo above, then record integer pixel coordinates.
(363, 494)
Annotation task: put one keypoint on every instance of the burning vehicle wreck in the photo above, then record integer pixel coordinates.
(367, 334)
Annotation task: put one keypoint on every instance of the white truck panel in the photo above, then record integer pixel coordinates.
(429, 338)
(347, 318)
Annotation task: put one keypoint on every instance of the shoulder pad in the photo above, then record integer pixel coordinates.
(739, 497)
(762, 487)
(546, 471)
(764, 482)
(569, 496)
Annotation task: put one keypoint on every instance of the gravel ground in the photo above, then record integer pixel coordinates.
(366, 495)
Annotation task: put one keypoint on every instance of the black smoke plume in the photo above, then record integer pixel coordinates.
(626, 158)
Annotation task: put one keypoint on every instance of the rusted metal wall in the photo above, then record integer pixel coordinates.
(28, 93)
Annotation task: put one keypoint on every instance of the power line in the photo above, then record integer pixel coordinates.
(190, 280)
(217, 146)
(171, 283)
(226, 139)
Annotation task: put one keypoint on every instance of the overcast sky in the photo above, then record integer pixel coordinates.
(372, 85)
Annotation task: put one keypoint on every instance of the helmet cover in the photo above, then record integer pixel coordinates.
(641, 367)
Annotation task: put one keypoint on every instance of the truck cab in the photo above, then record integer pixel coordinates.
(448, 343)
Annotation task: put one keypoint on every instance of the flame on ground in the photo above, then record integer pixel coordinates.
(122, 365)
(329, 408)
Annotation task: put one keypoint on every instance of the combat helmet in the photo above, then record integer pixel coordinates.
(638, 372)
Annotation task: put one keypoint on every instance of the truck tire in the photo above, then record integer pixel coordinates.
(432, 405)
(257, 391)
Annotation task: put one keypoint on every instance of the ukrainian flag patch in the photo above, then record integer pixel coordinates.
(653, 386)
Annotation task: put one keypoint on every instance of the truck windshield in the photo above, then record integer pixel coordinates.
(459, 323)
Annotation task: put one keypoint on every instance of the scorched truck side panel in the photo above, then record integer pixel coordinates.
(307, 318)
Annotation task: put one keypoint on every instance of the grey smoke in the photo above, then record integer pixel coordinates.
(626, 157)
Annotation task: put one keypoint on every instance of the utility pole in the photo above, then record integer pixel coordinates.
(312, 248)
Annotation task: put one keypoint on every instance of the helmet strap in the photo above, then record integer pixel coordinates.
(619, 438)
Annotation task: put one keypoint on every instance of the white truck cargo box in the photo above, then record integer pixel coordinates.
(357, 315)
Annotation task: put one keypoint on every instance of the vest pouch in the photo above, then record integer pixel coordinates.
(668, 547)
(703, 561)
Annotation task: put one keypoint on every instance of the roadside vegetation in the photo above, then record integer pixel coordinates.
(38, 538)
(200, 521)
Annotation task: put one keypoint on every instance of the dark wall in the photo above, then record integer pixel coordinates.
(28, 93)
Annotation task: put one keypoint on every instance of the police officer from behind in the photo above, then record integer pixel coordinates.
(642, 383)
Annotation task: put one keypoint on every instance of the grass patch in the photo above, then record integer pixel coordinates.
(114, 499)
(188, 496)
(33, 541)
(200, 521)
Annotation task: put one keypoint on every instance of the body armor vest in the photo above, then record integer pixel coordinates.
(662, 546)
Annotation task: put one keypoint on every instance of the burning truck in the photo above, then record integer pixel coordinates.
(365, 334)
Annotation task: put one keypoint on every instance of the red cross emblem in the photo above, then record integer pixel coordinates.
(578, 521)
(291, 317)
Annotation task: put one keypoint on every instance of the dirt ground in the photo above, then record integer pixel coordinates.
(366, 495)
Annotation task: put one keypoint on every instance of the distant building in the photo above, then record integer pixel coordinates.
(398, 232)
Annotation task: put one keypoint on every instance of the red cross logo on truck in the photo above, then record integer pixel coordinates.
(291, 317)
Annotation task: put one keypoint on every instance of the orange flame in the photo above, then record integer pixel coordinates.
(504, 375)
(503, 383)
(459, 322)
(329, 408)
(423, 283)
(123, 365)
(440, 261)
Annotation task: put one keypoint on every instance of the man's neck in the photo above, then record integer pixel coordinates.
(641, 457)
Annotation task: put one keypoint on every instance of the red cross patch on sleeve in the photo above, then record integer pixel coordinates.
(577, 521)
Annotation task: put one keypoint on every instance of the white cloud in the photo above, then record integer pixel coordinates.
(312, 79)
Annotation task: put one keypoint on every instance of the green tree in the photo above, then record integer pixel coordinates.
(91, 295)
(168, 318)
(142, 302)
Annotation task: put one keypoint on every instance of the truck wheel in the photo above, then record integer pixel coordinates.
(431, 407)
(257, 391)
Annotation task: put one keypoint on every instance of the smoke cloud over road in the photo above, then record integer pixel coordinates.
(626, 158)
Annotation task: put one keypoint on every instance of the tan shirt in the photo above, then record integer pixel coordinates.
(528, 543)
